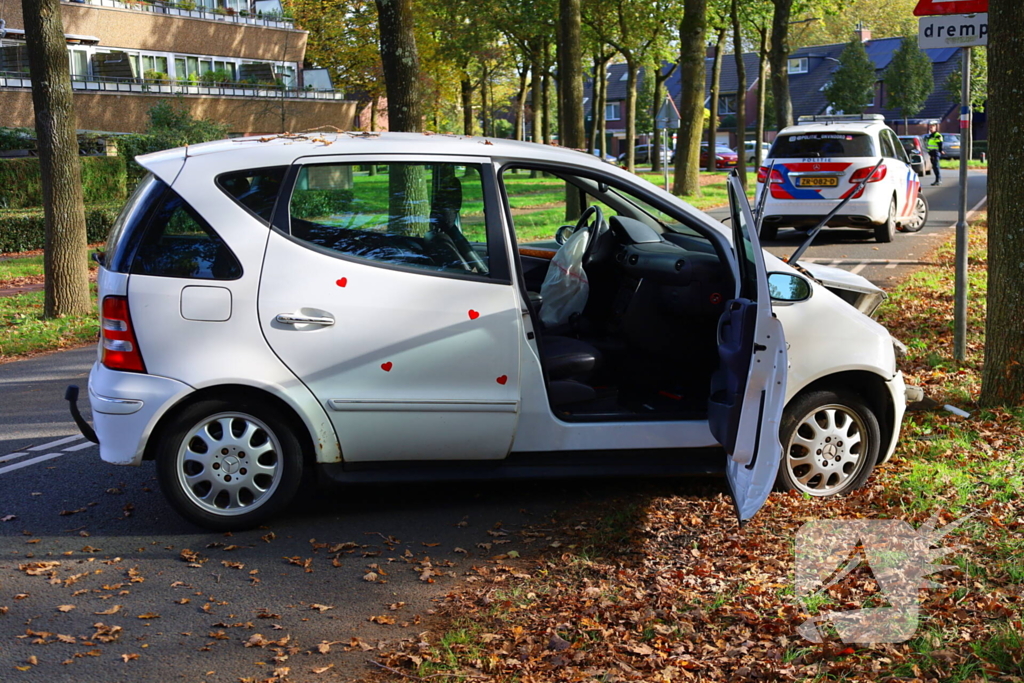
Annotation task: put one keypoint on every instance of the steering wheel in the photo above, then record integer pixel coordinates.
(592, 220)
(470, 259)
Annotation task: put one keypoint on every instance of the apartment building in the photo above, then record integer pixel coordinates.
(238, 62)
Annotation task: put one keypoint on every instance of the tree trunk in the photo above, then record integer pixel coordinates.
(592, 140)
(1003, 374)
(762, 89)
(778, 57)
(691, 96)
(65, 263)
(546, 93)
(601, 122)
(571, 76)
(520, 133)
(632, 69)
(536, 100)
(659, 86)
(716, 77)
(373, 127)
(467, 105)
(401, 65)
(485, 104)
(741, 96)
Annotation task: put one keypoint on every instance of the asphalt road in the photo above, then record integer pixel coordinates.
(120, 547)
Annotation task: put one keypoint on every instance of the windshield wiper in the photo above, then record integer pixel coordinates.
(814, 233)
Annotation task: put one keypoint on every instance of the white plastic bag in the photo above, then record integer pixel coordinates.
(565, 287)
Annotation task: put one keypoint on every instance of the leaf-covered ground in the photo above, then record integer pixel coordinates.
(662, 584)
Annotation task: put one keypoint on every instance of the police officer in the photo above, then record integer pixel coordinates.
(933, 141)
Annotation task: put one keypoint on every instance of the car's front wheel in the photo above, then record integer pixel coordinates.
(229, 464)
(919, 217)
(830, 443)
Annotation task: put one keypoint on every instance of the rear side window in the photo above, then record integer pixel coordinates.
(255, 189)
(179, 243)
(818, 145)
(127, 229)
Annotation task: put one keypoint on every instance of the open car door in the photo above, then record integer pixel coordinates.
(748, 389)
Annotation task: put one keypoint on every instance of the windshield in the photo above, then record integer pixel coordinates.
(817, 145)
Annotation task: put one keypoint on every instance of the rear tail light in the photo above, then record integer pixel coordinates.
(862, 173)
(117, 338)
(762, 175)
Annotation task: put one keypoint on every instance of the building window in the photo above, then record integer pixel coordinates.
(798, 65)
(612, 111)
(727, 104)
(79, 64)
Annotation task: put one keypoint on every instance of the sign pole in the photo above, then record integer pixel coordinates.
(664, 153)
(966, 144)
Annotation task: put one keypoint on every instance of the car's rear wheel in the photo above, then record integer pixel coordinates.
(919, 217)
(229, 464)
(830, 443)
(886, 231)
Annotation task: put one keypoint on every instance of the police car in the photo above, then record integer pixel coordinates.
(822, 160)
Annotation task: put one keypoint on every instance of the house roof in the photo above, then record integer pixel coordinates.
(806, 89)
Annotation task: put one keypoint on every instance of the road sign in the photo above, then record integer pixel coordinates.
(933, 7)
(668, 116)
(960, 30)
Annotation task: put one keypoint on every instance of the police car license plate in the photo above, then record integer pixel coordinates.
(818, 182)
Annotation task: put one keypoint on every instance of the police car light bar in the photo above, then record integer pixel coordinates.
(829, 118)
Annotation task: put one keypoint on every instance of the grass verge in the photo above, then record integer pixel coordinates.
(660, 584)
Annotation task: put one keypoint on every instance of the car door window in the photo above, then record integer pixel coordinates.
(428, 216)
(900, 151)
(887, 147)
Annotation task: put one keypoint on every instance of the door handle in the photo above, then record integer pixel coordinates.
(291, 319)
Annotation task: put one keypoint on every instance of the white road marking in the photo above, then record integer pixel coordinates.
(12, 456)
(58, 442)
(30, 461)
(79, 446)
(861, 266)
(891, 266)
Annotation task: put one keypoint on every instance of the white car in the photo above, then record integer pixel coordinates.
(750, 149)
(270, 308)
(822, 160)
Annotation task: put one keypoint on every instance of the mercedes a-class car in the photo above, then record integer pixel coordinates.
(379, 308)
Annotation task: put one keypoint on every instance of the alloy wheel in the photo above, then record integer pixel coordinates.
(827, 450)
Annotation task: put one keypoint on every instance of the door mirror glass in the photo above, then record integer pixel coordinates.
(563, 234)
(787, 287)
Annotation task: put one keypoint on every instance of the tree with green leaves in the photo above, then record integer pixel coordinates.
(908, 79)
(979, 79)
(741, 93)
(852, 87)
(65, 263)
(692, 33)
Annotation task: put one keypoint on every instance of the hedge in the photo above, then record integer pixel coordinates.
(103, 182)
(25, 229)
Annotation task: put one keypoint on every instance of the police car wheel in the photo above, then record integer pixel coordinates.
(885, 232)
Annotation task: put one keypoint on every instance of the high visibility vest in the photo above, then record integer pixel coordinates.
(933, 141)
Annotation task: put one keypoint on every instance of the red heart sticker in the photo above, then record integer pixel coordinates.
(502, 379)
(342, 282)
(473, 315)
(386, 367)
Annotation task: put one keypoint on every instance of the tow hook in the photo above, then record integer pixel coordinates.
(71, 396)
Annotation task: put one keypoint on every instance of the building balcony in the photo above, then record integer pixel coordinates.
(170, 87)
(194, 10)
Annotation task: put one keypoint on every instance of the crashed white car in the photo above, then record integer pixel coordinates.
(360, 306)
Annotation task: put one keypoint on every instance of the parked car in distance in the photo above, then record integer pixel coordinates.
(950, 146)
(604, 157)
(642, 155)
(270, 310)
(919, 157)
(750, 147)
(816, 164)
(725, 158)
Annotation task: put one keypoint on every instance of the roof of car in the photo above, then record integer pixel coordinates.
(834, 127)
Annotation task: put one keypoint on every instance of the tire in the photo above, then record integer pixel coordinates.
(769, 231)
(243, 460)
(830, 443)
(886, 231)
(919, 217)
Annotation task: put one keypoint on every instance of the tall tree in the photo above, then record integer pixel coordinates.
(570, 75)
(716, 78)
(661, 75)
(852, 88)
(65, 261)
(692, 30)
(908, 79)
(1002, 379)
(741, 95)
(401, 64)
(979, 79)
(778, 60)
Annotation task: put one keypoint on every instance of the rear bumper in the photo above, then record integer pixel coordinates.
(126, 406)
(858, 213)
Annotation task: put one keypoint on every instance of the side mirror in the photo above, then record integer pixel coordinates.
(788, 288)
(916, 159)
(563, 234)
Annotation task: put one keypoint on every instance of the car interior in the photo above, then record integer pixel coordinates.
(644, 345)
